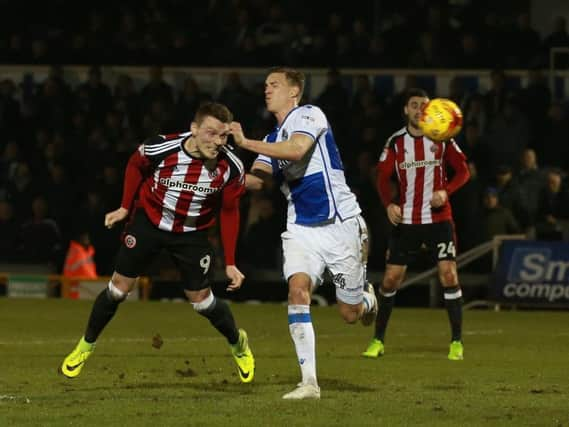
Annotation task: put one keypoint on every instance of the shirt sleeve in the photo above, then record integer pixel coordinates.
(457, 160)
(308, 120)
(136, 170)
(385, 169)
(229, 217)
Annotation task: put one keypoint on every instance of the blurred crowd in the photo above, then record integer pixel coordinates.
(63, 149)
(418, 34)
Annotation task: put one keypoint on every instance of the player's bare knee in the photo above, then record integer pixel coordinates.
(391, 282)
(350, 313)
(448, 277)
(299, 290)
(298, 295)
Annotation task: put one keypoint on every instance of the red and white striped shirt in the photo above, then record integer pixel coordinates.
(181, 193)
(421, 167)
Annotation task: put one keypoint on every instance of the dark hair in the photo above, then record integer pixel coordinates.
(414, 91)
(213, 109)
(293, 77)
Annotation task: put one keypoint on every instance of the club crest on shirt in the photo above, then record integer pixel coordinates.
(435, 148)
(129, 241)
(213, 173)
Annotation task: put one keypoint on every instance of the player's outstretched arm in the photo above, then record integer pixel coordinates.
(293, 148)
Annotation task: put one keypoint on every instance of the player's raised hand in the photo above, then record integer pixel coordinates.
(439, 198)
(115, 216)
(237, 132)
(394, 213)
(236, 277)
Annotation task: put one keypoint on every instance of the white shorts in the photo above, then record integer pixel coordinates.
(340, 247)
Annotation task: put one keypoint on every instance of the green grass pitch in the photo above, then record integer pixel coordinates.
(515, 372)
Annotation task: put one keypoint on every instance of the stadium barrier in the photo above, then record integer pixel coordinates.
(24, 285)
(532, 273)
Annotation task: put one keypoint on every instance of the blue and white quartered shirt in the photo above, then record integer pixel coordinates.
(314, 186)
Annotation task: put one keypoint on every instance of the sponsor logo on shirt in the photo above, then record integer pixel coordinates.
(419, 164)
(181, 185)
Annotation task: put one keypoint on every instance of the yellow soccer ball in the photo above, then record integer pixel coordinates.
(441, 119)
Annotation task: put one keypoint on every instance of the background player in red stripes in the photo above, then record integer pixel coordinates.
(174, 187)
(422, 216)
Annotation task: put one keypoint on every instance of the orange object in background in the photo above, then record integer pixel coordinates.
(79, 263)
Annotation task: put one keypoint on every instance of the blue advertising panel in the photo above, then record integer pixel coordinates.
(533, 272)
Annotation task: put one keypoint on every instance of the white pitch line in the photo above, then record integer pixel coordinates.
(196, 339)
(110, 340)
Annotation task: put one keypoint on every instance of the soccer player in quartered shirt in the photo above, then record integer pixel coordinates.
(422, 216)
(324, 227)
(174, 187)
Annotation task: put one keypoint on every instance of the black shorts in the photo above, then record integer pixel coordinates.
(408, 240)
(191, 252)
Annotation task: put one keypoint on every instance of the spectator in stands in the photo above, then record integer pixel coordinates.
(510, 194)
(531, 180)
(22, 188)
(470, 54)
(559, 37)
(553, 212)
(524, 44)
(237, 97)
(477, 151)
(127, 101)
(535, 101)
(61, 197)
(553, 149)
(156, 90)
(40, 236)
(495, 98)
(508, 134)
(496, 219)
(9, 161)
(9, 230)
(467, 211)
(10, 112)
(189, 99)
(261, 240)
(333, 100)
(97, 97)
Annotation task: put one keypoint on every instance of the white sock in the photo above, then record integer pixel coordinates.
(302, 333)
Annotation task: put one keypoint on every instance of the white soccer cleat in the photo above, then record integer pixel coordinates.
(369, 317)
(304, 391)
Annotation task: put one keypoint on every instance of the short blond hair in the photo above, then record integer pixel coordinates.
(293, 77)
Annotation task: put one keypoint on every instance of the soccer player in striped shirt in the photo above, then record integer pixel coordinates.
(422, 216)
(174, 187)
(324, 227)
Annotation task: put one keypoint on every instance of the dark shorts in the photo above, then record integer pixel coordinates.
(191, 252)
(409, 240)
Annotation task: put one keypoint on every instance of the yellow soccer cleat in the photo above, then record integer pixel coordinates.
(456, 351)
(243, 358)
(73, 363)
(374, 349)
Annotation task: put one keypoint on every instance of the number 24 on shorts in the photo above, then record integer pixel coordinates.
(446, 249)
